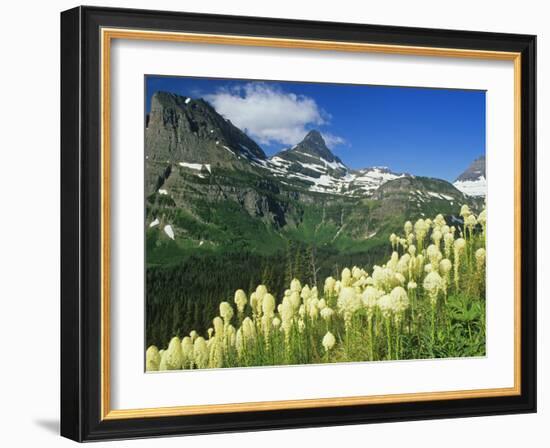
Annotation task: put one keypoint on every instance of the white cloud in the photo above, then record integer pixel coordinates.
(270, 115)
(333, 140)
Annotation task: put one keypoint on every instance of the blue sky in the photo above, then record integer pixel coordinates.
(429, 132)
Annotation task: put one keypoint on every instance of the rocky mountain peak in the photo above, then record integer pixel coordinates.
(183, 129)
(474, 171)
(472, 182)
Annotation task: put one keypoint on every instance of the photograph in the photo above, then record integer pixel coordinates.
(291, 223)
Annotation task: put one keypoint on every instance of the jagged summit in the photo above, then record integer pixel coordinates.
(312, 147)
(472, 181)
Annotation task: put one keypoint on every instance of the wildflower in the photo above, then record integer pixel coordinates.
(193, 335)
(348, 303)
(215, 358)
(480, 258)
(152, 359)
(420, 229)
(240, 300)
(408, 227)
(439, 220)
(385, 303)
(306, 293)
(200, 353)
(326, 313)
(322, 304)
(436, 237)
(226, 312)
(295, 299)
(218, 326)
(412, 250)
(329, 285)
(448, 241)
(328, 341)
(261, 291)
(276, 322)
(459, 246)
(370, 297)
(248, 328)
(400, 299)
(465, 211)
(268, 305)
(210, 332)
(346, 277)
(433, 254)
(433, 283)
(411, 286)
(295, 285)
(172, 358)
(187, 351)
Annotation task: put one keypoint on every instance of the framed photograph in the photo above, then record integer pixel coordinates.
(275, 224)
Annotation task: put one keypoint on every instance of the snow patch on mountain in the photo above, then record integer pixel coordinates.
(476, 187)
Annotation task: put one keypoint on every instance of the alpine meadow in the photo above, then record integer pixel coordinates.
(296, 223)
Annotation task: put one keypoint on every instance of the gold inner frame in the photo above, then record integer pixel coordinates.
(107, 35)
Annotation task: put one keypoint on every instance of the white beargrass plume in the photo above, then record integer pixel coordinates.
(215, 358)
(393, 241)
(346, 277)
(295, 300)
(428, 268)
(172, 358)
(226, 312)
(459, 246)
(152, 359)
(249, 330)
(306, 293)
(229, 335)
(448, 241)
(268, 305)
(434, 254)
(239, 342)
(400, 300)
(433, 283)
(193, 335)
(295, 285)
(218, 326)
(187, 352)
(276, 322)
(470, 222)
(255, 304)
(482, 219)
(385, 304)
(322, 304)
(348, 303)
(328, 288)
(328, 341)
(210, 332)
(480, 258)
(392, 262)
(200, 353)
(411, 286)
(420, 230)
(408, 228)
(327, 313)
(398, 279)
(465, 211)
(419, 265)
(445, 267)
(240, 300)
(439, 220)
(403, 264)
(436, 237)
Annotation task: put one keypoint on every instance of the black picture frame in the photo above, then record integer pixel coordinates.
(81, 224)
